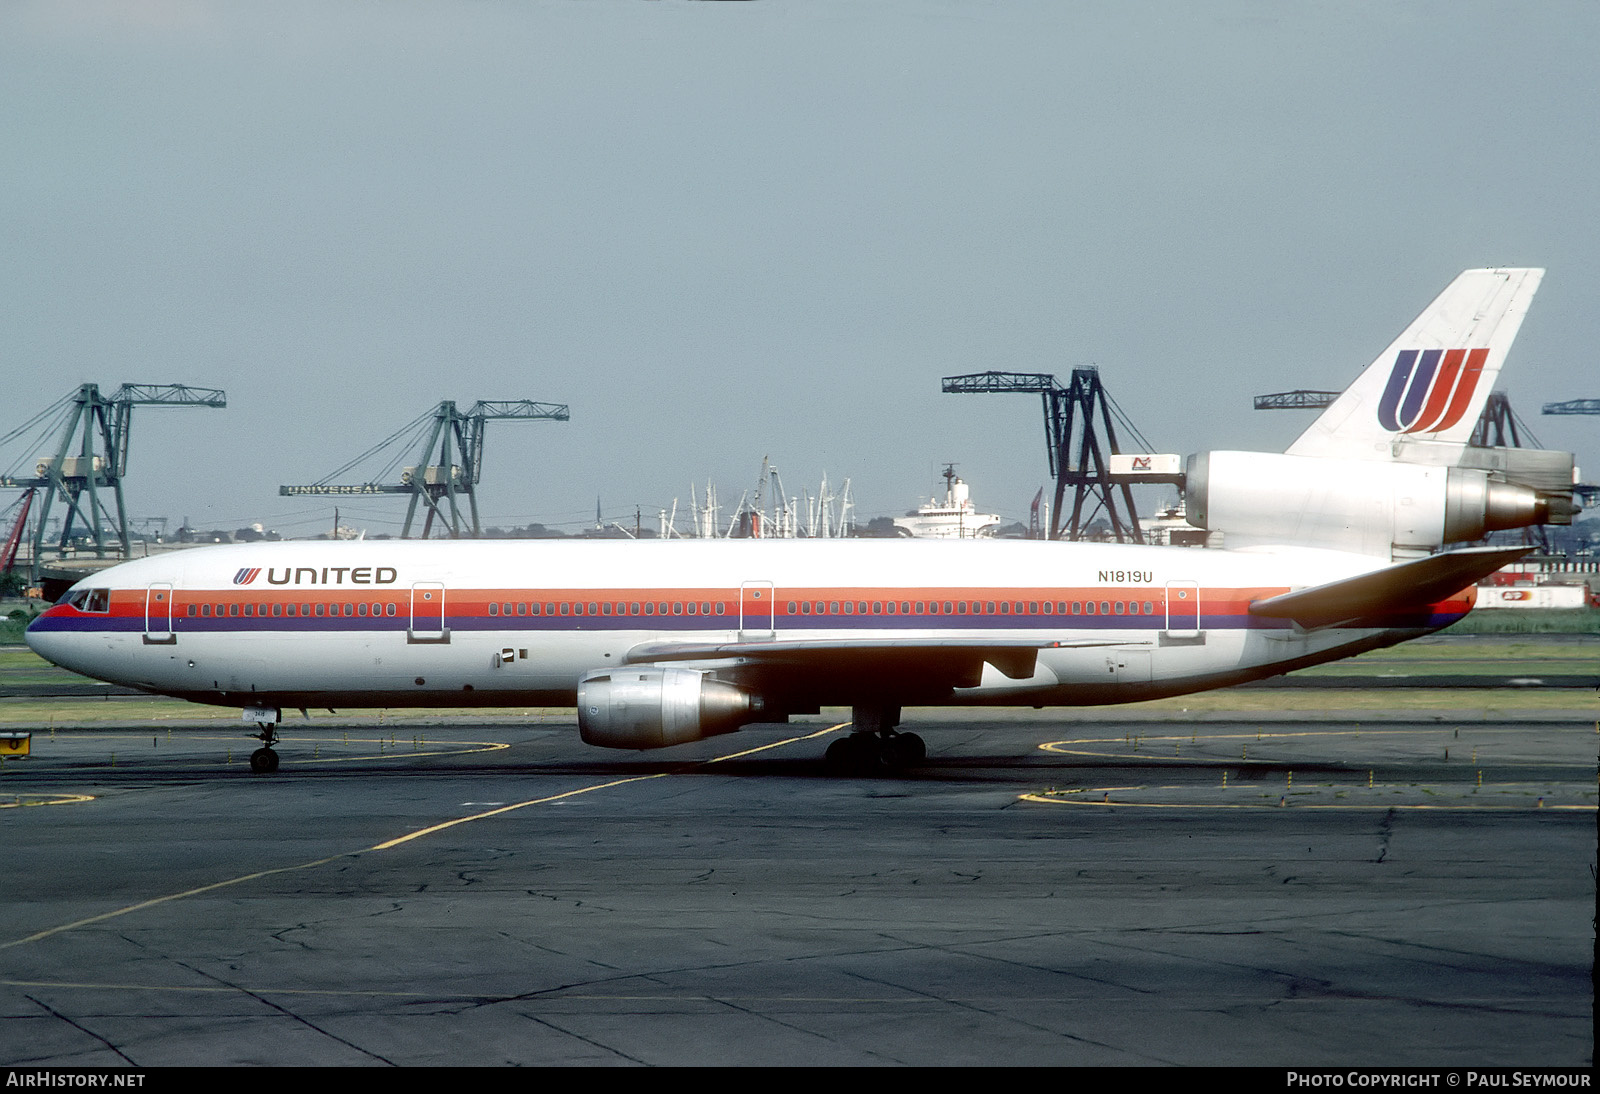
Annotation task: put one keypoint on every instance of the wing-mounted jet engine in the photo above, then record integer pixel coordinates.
(655, 707)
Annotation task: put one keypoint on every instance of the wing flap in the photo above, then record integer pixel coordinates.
(954, 660)
(1405, 587)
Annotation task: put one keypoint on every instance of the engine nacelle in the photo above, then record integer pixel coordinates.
(1371, 506)
(653, 708)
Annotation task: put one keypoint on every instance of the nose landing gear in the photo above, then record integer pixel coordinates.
(264, 761)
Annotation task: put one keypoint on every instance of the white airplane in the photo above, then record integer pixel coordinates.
(1332, 548)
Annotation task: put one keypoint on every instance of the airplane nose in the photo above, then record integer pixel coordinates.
(44, 641)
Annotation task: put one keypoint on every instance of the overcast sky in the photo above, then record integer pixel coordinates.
(727, 231)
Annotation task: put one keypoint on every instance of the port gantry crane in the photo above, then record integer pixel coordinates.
(1299, 399)
(445, 468)
(1573, 406)
(1080, 436)
(102, 426)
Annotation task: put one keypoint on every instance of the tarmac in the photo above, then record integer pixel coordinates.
(1046, 890)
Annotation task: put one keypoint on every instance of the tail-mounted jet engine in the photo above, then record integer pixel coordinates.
(1373, 507)
(653, 708)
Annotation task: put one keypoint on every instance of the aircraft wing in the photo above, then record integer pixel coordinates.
(1406, 587)
(938, 662)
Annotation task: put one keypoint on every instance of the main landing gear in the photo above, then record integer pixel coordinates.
(875, 746)
(264, 761)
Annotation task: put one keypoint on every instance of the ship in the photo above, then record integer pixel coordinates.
(956, 517)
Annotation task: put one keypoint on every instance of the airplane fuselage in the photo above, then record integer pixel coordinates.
(408, 623)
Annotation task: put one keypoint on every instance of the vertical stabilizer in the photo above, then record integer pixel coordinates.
(1430, 385)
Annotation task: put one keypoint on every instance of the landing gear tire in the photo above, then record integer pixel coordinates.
(850, 755)
(264, 761)
(869, 754)
(911, 748)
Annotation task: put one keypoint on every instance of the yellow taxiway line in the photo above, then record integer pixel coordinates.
(89, 921)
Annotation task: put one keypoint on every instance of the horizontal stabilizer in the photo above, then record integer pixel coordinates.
(1405, 587)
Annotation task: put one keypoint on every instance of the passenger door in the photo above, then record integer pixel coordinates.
(427, 613)
(158, 616)
(1183, 611)
(756, 611)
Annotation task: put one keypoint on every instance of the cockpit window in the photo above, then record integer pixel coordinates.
(90, 600)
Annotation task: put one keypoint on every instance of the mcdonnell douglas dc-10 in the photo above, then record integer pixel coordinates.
(1338, 546)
